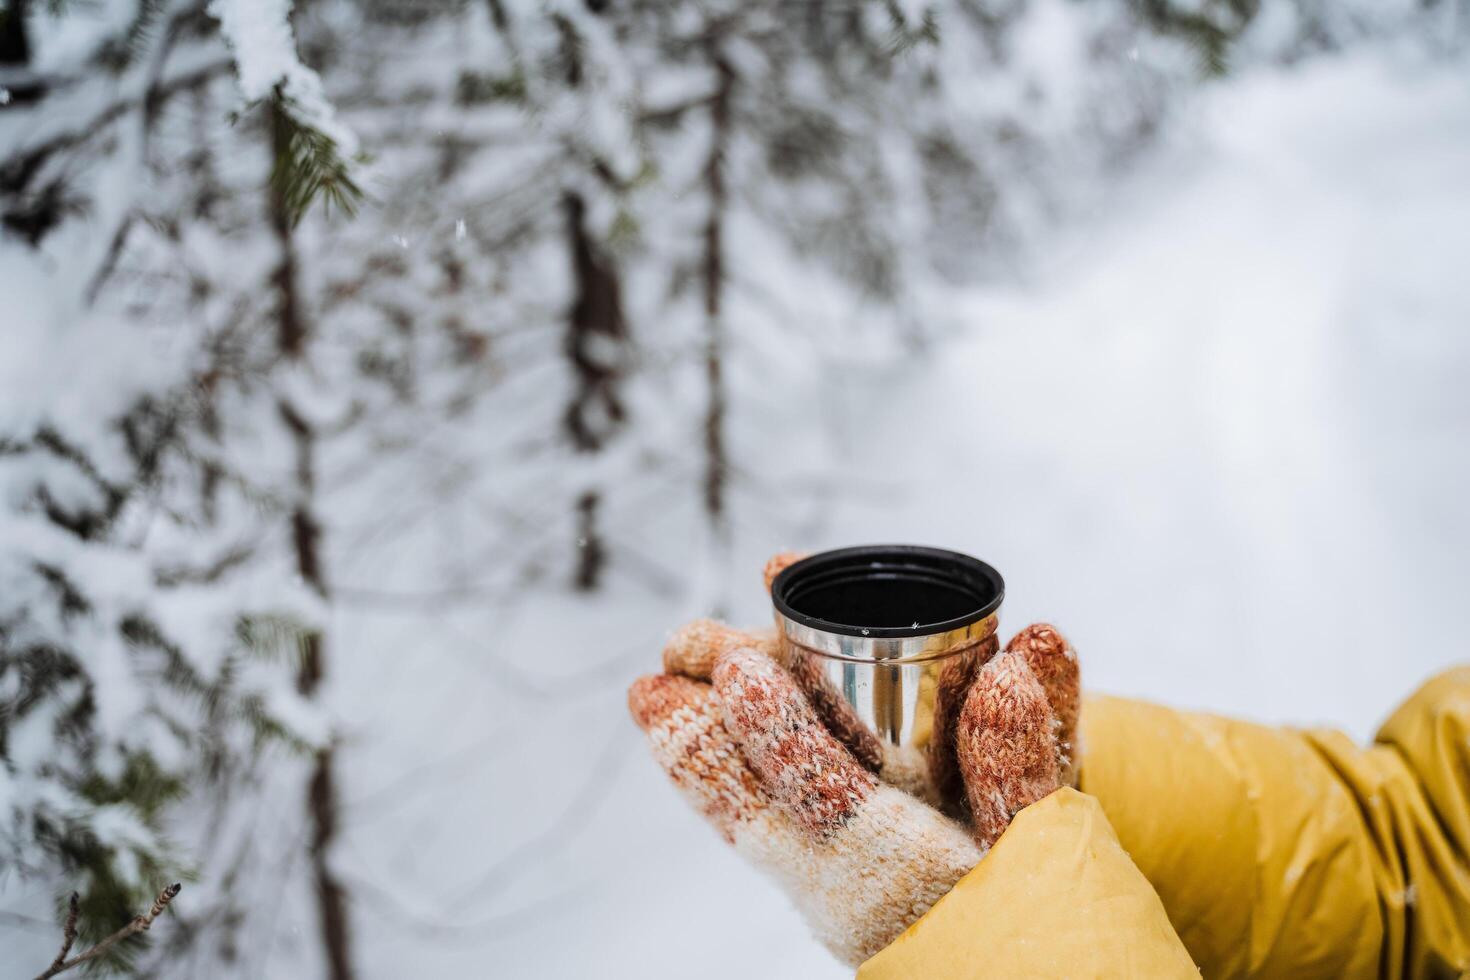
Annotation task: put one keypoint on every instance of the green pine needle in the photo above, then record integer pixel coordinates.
(309, 166)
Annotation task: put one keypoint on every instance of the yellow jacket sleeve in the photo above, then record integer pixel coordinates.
(1270, 852)
(1055, 897)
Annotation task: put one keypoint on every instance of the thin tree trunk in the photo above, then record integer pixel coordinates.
(16, 51)
(15, 43)
(716, 458)
(596, 341)
(591, 552)
(321, 804)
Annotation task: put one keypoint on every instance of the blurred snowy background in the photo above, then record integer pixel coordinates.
(330, 542)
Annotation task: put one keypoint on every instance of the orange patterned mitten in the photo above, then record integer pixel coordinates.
(861, 859)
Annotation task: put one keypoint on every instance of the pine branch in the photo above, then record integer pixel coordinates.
(69, 933)
(309, 165)
(122, 52)
(907, 35)
(139, 924)
(17, 169)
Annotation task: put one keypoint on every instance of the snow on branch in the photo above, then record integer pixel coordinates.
(315, 151)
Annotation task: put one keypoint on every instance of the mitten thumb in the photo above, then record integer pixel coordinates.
(1016, 734)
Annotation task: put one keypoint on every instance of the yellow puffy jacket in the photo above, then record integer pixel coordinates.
(1204, 845)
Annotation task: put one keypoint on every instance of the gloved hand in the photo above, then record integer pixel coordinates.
(1197, 843)
(1037, 673)
(861, 859)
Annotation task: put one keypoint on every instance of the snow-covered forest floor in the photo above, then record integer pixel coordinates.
(1218, 435)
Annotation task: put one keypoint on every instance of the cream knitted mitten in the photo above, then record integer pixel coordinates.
(861, 859)
(1033, 686)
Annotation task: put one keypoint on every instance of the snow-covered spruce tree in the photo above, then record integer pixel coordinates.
(1226, 34)
(821, 176)
(597, 225)
(600, 227)
(484, 298)
(150, 645)
(610, 240)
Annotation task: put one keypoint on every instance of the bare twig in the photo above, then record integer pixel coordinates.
(69, 933)
(139, 924)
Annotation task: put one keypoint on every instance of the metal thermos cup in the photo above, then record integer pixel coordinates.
(871, 631)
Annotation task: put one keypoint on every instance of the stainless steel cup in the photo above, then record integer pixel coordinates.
(872, 632)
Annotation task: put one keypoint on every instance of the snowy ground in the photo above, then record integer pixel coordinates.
(1221, 439)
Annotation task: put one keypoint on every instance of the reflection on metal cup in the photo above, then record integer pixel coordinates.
(884, 639)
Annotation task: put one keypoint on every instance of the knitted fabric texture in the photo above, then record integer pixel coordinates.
(754, 737)
(935, 776)
(693, 649)
(778, 564)
(808, 771)
(1006, 743)
(1054, 663)
(955, 679)
(860, 859)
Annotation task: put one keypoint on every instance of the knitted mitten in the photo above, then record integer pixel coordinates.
(788, 774)
(861, 860)
(1032, 688)
(1015, 738)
